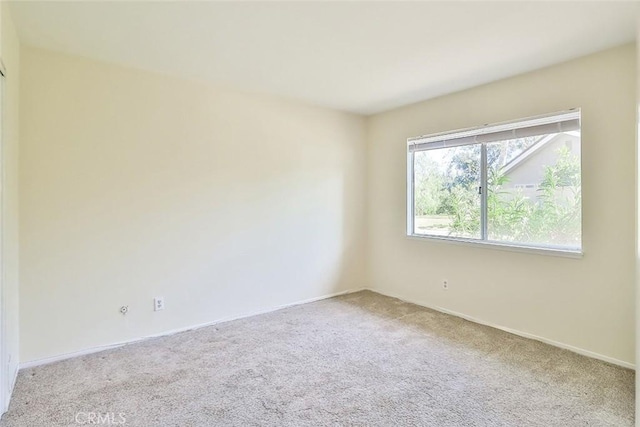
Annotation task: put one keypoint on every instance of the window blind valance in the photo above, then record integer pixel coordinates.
(542, 125)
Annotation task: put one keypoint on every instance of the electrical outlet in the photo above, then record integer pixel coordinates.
(445, 284)
(158, 303)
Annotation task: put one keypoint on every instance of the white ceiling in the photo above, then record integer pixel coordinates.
(363, 57)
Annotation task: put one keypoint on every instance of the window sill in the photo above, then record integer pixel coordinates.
(565, 253)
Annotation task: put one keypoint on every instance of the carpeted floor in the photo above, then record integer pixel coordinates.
(357, 360)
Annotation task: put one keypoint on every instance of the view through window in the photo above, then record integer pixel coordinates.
(517, 183)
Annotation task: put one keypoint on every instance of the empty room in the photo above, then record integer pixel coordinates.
(341, 213)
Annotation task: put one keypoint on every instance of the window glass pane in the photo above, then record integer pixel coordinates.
(446, 199)
(534, 192)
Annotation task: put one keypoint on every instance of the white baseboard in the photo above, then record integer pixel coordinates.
(84, 352)
(15, 377)
(52, 359)
(9, 392)
(11, 387)
(564, 346)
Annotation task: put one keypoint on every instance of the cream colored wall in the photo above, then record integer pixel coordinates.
(136, 185)
(10, 55)
(637, 211)
(586, 303)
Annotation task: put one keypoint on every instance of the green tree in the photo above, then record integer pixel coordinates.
(552, 217)
(557, 216)
(428, 184)
(462, 205)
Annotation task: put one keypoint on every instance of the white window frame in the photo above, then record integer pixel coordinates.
(548, 123)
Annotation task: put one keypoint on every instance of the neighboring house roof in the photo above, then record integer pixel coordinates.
(522, 157)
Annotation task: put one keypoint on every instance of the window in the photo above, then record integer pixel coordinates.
(515, 184)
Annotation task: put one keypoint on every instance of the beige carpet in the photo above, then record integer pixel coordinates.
(358, 360)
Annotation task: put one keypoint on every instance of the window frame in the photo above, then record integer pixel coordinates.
(564, 251)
